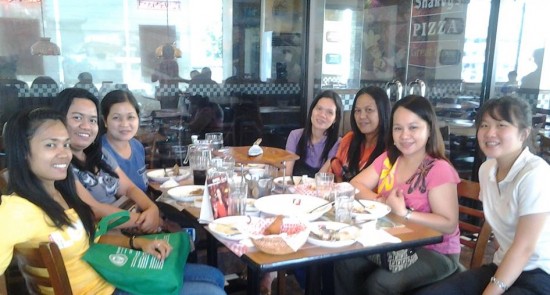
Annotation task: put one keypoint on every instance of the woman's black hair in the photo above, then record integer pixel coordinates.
(20, 129)
(383, 107)
(117, 96)
(419, 105)
(94, 154)
(331, 132)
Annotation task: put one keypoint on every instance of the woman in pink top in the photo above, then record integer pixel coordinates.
(419, 184)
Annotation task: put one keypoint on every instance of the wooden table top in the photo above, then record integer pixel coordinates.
(271, 156)
(411, 235)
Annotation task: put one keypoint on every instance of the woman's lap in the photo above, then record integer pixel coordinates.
(474, 281)
(198, 279)
(364, 277)
(203, 273)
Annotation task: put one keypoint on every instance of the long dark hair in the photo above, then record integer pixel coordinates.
(435, 147)
(331, 132)
(383, 107)
(19, 131)
(94, 154)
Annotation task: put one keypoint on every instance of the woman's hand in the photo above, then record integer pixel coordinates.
(158, 248)
(149, 220)
(396, 200)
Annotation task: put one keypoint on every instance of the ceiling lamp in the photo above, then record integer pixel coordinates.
(44, 46)
(177, 51)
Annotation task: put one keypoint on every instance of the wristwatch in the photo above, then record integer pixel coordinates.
(408, 214)
(499, 284)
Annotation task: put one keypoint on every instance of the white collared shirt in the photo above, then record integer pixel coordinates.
(524, 191)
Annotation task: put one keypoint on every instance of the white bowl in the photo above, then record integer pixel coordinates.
(186, 193)
(293, 205)
(158, 175)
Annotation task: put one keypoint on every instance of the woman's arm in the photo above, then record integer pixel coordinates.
(443, 201)
(149, 217)
(289, 167)
(101, 209)
(158, 248)
(366, 181)
(527, 234)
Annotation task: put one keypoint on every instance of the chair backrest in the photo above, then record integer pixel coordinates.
(46, 256)
(475, 232)
(545, 148)
(3, 181)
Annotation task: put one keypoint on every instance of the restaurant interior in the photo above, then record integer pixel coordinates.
(262, 62)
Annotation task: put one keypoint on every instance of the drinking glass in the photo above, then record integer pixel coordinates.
(343, 205)
(238, 192)
(199, 160)
(324, 182)
(216, 138)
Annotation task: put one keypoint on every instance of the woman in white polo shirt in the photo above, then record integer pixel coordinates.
(516, 205)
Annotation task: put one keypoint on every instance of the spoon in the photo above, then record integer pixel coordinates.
(319, 207)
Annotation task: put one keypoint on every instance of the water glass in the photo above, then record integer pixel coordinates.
(238, 192)
(324, 182)
(216, 138)
(343, 205)
(228, 164)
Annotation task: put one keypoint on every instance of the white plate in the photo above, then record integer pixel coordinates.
(229, 227)
(350, 231)
(158, 175)
(293, 205)
(186, 193)
(376, 209)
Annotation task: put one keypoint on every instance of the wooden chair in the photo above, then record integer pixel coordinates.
(545, 148)
(472, 221)
(3, 181)
(46, 256)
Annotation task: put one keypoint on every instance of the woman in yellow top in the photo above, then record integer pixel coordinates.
(45, 206)
(366, 140)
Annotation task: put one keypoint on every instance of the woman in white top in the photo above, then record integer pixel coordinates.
(516, 205)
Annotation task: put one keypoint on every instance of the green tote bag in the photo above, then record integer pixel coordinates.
(135, 271)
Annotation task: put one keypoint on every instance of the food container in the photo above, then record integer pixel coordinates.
(293, 236)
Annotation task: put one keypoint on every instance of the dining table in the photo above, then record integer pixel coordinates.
(309, 256)
(312, 257)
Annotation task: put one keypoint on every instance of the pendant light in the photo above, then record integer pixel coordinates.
(44, 46)
(177, 51)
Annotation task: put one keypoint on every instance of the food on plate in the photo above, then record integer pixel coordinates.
(275, 227)
(197, 192)
(226, 229)
(322, 232)
(370, 207)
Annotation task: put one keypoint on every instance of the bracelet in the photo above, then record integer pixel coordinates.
(131, 242)
(407, 215)
(499, 284)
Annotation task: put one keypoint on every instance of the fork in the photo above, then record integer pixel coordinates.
(364, 207)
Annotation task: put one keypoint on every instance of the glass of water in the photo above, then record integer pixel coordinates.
(216, 138)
